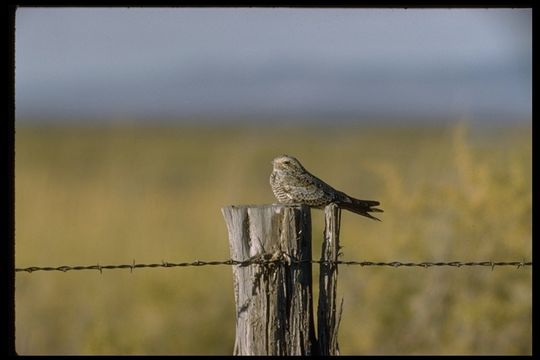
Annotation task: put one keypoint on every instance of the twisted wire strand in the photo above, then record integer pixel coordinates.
(278, 260)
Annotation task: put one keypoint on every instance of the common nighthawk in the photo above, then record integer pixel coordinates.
(293, 184)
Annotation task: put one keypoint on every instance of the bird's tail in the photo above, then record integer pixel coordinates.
(361, 207)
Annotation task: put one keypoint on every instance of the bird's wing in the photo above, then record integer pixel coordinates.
(309, 188)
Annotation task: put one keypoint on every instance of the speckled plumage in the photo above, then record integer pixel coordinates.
(293, 184)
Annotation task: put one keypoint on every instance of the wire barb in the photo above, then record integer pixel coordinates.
(283, 260)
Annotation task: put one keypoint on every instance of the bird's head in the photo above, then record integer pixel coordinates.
(286, 163)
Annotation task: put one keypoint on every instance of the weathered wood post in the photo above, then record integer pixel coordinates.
(328, 316)
(274, 301)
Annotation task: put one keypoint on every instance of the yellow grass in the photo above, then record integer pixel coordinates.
(114, 195)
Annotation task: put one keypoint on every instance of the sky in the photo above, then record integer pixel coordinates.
(255, 64)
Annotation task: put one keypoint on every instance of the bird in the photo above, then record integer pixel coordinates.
(292, 184)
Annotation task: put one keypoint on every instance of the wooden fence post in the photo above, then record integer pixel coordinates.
(274, 302)
(328, 316)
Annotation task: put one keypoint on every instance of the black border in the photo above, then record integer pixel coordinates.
(8, 249)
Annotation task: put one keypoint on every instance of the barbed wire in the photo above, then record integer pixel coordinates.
(278, 260)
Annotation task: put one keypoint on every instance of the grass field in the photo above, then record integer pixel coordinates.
(112, 195)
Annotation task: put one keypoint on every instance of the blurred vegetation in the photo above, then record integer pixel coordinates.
(112, 195)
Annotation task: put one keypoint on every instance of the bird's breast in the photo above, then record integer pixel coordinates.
(278, 188)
